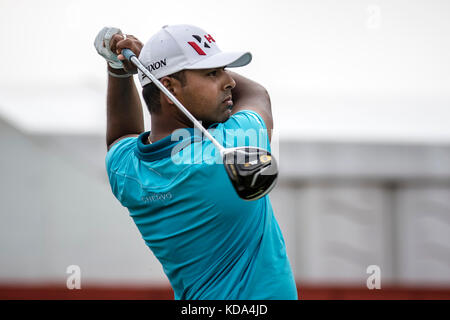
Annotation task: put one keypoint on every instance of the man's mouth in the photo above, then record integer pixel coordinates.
(228, 101)
(227, 98)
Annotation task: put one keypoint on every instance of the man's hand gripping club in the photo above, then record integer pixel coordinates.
(110, 42)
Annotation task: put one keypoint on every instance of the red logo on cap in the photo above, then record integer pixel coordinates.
(197, 48)
(209, 38)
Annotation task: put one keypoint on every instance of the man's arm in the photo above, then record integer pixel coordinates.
(124, 116)
(249, 95)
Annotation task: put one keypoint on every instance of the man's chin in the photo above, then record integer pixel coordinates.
(228, 112)
(226, 116)
(223, 117)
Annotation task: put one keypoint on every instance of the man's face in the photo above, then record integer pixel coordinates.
(207, 94)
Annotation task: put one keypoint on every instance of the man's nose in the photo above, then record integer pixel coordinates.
(229, 82)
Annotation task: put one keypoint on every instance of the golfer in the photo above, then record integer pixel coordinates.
(212, 244)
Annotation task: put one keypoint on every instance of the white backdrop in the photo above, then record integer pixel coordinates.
(336, 70)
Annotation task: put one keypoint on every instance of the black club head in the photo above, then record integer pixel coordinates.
(253, 171)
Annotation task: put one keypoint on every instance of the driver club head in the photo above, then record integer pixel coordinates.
(253, 171)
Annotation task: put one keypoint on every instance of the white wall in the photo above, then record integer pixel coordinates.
(55, 214)
(341, 207)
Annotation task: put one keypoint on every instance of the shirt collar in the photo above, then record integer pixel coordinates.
(163, 148)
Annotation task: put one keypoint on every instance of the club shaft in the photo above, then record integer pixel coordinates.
(180, 106)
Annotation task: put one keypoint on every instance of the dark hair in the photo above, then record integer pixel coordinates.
(151, 93)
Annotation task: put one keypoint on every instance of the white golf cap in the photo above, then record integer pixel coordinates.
(178, 47)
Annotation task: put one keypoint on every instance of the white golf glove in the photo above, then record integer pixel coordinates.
(101, 43)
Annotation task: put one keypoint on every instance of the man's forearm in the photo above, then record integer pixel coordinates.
(249, 95)
(124, 108)
(248, 92)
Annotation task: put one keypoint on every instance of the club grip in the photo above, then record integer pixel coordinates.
(127, 53)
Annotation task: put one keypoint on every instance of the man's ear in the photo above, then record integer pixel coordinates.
(172, 85)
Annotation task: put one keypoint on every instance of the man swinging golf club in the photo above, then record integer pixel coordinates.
(185, 196)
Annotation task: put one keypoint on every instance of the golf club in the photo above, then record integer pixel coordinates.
(253, 171)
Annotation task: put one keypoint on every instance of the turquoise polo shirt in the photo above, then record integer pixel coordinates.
(211, 244)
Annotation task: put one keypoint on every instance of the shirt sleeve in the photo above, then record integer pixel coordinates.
(117, 161)
(245, 128)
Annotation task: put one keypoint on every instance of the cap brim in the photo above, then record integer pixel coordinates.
(223, 59)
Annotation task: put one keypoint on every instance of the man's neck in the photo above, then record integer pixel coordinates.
(163, 125)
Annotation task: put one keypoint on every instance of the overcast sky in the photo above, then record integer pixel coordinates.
(335, 70)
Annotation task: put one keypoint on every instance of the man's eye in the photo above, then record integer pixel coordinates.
(212, 73)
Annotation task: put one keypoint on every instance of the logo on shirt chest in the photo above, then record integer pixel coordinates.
(157, 196)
